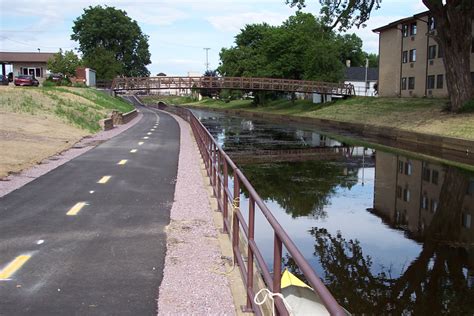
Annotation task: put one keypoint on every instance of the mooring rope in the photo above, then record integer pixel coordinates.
(270, 296)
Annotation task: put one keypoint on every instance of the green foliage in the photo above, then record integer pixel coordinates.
(300, 48)
(373, 60)
(468, 107)
(65, 63)
(106, 29)
(49, 83)
(104, 63)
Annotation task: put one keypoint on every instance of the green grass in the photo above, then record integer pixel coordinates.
(424, 115)
(81, 107)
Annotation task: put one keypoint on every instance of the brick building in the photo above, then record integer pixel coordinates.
(411, 62)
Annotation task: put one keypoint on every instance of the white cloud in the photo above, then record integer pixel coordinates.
(235, 22)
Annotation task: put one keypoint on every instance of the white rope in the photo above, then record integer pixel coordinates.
(270, 296)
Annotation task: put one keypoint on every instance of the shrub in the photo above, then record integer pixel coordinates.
(49, 83)
(468, 107)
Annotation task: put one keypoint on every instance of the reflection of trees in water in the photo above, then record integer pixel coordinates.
(300, 188)
(434, 283)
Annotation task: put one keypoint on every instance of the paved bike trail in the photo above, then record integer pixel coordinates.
(79, 247)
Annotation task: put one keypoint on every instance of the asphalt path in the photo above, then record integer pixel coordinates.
(72, 246)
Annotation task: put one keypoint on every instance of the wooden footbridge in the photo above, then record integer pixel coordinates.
(233, 83)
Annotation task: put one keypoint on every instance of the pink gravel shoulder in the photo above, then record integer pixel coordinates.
(16, 181)
(193, 283)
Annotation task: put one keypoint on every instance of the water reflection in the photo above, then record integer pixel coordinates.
(389, 234)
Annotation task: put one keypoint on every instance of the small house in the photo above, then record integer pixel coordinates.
(23, 63)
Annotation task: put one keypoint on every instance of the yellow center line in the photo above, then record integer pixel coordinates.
(140, 143)
(13, 266)
(133, 151)
(76, 208)
(104, 179)
(122, 162)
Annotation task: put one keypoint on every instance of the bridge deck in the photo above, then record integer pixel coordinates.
(236, 83)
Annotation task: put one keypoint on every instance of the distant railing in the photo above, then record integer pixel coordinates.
(238, 83)
(220, 169)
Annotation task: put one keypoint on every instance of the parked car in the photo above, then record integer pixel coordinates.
(25, 80)
(3, 80)
(56, 77)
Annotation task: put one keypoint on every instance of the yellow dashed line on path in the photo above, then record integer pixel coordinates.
(133, 151)
(140, 143)
(76, 208)
(104, 179)
(13, 266)
(122, 162)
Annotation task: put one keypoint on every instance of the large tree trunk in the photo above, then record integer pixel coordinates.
(454, 35)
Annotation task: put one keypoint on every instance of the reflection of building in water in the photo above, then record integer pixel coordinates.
(407, 194)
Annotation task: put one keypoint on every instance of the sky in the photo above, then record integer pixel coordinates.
(178, 30)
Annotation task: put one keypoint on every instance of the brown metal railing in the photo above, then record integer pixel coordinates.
(240, 83)
(219, 169)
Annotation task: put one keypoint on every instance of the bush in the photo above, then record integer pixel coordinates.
(468, 107)
(79, 85)
(49, 83)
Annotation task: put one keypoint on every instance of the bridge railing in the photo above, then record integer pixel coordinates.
(239, 83)
(228, 181)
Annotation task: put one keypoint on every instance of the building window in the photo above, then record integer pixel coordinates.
(405, 57)
(440, 52)
(412, 55)
(425, 202)
(400, 166)
(434, 177)
(466, 220)
(431, 24)
(406, 195)
(408, 168)
(405, 30)
(433, 206)
(430, 82)
(399, 192)
(426, 174)
(404, 83)
(439, 81)
(432, 52)
(411, 83)
(38, 72)
(413, 29)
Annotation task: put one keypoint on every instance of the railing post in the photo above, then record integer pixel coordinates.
(277, 256)
(219, 183)
(235, 219)
(248, 307)
(226, 198)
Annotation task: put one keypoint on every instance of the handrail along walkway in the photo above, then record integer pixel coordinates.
(219, 167)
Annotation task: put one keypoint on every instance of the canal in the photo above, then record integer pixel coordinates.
(387, 232)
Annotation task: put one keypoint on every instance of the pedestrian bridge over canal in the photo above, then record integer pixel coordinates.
(235, 83)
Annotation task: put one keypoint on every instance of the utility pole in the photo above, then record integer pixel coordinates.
(207, 57)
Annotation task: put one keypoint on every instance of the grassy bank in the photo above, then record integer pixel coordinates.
(418, 115)
(80, 107)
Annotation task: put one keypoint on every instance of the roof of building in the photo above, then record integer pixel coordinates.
(404, 20)
(21, 57)
(358, 74)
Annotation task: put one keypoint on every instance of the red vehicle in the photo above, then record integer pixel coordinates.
(25, 80)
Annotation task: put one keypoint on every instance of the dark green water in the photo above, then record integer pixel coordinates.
(387, 233)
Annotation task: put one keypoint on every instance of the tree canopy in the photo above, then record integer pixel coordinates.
(453, 33)
(65, 63)
(111, 31)
(300, 48)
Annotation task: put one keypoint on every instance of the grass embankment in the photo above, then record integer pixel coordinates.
(36, 123)
(80, 107)
(418, 115)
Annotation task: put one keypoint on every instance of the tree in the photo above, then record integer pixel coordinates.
(104, 63)
(106, 29)
(373, 60)
(65, 63)
(453, 19)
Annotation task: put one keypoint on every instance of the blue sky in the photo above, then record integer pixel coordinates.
(178, 29)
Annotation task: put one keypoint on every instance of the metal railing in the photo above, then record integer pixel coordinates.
(220, 168)
(239, 83)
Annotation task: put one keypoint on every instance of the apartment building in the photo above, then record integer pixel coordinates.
(411, 61)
